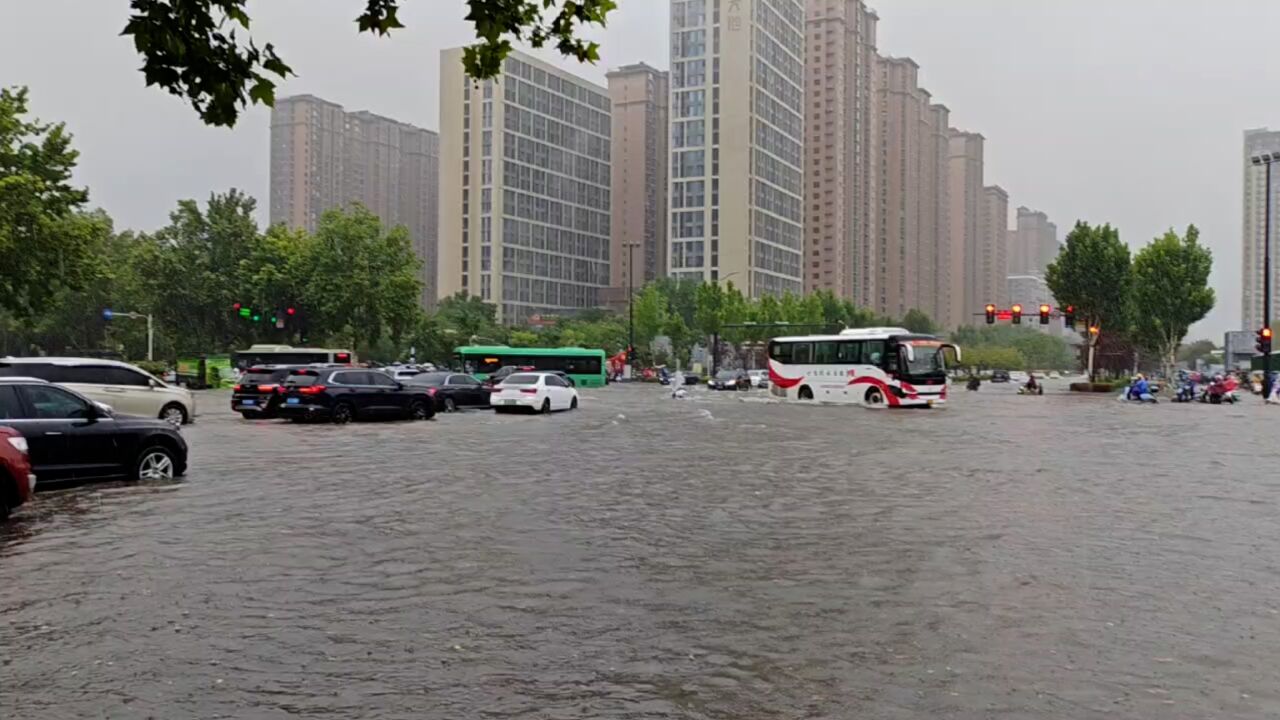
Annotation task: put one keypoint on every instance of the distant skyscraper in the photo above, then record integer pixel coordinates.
(966, 194)
(525, 187)
(737, 143)
(1254, 225)
(993, 236)
(841, 46)
(323, 157)
(1033, 243)
(1030, 291)
(638, 95)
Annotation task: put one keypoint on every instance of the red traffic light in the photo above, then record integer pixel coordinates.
(235, 306)
(1265, 332)
(289, 311)
(1016, 310)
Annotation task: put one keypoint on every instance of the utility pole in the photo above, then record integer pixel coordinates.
(631, 313)
(1266, 159)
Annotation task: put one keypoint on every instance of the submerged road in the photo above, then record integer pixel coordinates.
(723, 556)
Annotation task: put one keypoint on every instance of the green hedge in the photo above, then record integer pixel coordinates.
(1097, 387)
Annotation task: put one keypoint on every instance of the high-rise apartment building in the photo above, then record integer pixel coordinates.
(737, 143)
(993, 237)
(966, 194)
(525, 187)
(841, 47)
(1033, 243)
(935, 209)
(638, 95)
(323, 157)
(1254, 229)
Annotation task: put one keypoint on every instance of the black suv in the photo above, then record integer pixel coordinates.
(70, 437)
(452, 391)
(261, 390)
(344, 394)
(999, 376)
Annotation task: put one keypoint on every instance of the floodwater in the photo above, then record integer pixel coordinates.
(722, 556)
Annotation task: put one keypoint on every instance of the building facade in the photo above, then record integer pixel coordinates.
(737, 143)
(1254, 223)
(638, 96)
(993, 236)
(525, 196)
(1033, 243)
(841, 47)
(323, 157)
(965, 204)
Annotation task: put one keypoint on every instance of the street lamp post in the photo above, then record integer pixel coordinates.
(110, 314)
(631, 313)
(1266, 159)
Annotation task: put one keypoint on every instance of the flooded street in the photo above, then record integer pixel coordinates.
(715, 557)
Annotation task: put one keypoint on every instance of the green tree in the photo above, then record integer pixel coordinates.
(1197, 350)
(681, 337)
(466, 316)
(918, 322)
(993, 358)
(191, 49)
(1170, 292)
(708, 311)
(650, 316)
(524, 338)
(1093, 273)
(45, 247)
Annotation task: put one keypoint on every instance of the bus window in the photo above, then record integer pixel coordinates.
(825, 352)
(873, 353)
(780, 352)
(850, 352)
(802, 353)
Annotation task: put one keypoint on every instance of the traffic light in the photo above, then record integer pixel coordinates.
(245, 312)
(289, 311)
(1263, 345)
(1016, 312)
(256, 317)
(1093, 330)
(1069, 317)
(991, 314)
(235, 306)
(1044, 314)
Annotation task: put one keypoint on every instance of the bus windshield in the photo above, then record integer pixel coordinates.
(929, 358)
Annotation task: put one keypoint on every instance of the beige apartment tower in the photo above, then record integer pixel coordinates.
(323, 157)
(1033, 243)
(524, 188)
(737, 143)
(841, 47)
(1253, 225)
(638, 95)
(966, 200)
(993, 237)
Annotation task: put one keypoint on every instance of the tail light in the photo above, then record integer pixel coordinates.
(266, 388)
(431, 391)
(237, 388)
(311, 390)
(529, 391)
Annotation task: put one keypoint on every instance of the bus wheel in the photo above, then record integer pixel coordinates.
(875, 397)
(806, 393)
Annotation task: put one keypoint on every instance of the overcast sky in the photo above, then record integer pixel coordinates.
(1127, 111)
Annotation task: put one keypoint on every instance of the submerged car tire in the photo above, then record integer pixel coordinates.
(546, 406)
(174, 414)
(342, 414)
(573, 404)
(420, 410)
(450, 405)
(155, 463)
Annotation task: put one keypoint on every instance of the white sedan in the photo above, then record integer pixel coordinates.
(539, 392)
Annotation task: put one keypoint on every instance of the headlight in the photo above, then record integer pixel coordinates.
(19, 444)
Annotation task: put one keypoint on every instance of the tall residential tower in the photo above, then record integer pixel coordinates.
(1254, 224)
(737, 143)
(525, 187)
(638, 95)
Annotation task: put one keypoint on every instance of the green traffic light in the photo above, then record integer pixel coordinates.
(256, 318)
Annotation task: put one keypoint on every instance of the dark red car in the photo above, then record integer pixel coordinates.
(16, 480)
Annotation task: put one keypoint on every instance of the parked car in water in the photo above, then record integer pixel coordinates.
(759, 378)
(404, 372)
(496, 377)
(452, 391)
(730, 380)
(344, 394)
(126, 388)
(258, 394)
(999, 376)
(535, 391)
(71, 437)
(17, 482)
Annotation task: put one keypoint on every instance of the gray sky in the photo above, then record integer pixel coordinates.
(1128, 111)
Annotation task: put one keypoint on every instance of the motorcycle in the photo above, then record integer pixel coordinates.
(1127, 396)
(1186, 393)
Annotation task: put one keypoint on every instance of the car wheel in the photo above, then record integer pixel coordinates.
(875, 397)
(806, 393)
(174, 414)
(419, 410)
(546, 405)
(248, 415)
(342, 414)
(154, 463)
(450, 405)
(573, 404)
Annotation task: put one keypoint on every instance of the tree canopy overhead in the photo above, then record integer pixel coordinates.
(202, 50)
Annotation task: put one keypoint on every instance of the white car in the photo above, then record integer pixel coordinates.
(126, 389)
(759, 378)
(539, 392)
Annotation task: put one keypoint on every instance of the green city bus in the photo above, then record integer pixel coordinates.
(586, 367)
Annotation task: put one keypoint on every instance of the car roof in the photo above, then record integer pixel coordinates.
(21, 379)
(66, 361)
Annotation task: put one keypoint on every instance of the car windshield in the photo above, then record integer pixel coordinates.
(430, 379)
(302, 379)
(726, 375)
(521, 379)
(261, 376)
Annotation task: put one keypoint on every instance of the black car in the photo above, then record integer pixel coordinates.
(496, 377)
(343, 394)
(70, 437)
(730, 380)
(261, 390)
(999, 376)
(452, 390)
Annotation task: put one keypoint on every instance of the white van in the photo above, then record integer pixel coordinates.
(127, 389)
